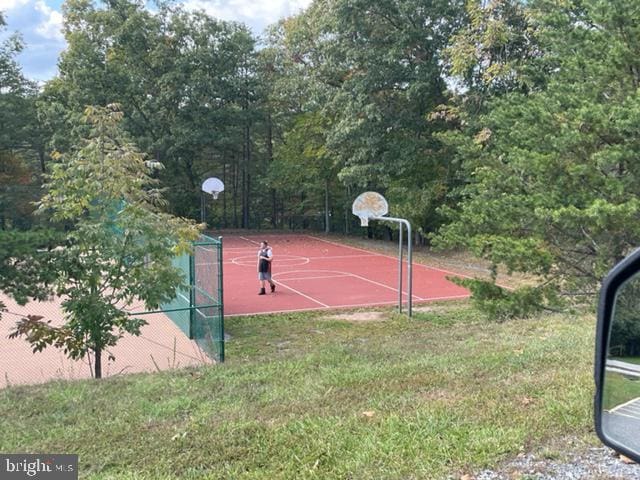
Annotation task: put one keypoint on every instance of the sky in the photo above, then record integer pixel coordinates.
(40, 22)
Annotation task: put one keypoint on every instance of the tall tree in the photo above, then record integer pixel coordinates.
(183, 78)
(552, 174)
(379, 64)
(119, 250)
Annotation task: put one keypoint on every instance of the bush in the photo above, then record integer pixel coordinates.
(500, 304)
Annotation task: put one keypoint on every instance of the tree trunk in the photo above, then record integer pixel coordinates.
(347, 213)
(98, 363)
(43, 166)
(346, 221)
(246, 176)
(235, 195)
(224, 197)
(327, 219)
(274, 206)
(244, 199)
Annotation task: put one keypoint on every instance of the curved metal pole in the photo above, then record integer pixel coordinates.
(409, 272)
(400, 251)
(406, 223)
(203, 208)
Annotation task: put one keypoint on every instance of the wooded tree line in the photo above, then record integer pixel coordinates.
(507, 127)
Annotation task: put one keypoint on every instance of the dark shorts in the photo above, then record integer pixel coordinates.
(264, 275)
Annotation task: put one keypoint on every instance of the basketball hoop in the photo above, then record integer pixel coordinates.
(212, 186)
(369, 205)
(373, 206)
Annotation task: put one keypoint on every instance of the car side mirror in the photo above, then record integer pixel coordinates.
(617, 361)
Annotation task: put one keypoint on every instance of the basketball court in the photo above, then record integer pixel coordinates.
(160, 346)
(310, 273)
(313, 273)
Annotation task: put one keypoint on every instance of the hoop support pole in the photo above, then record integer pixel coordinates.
(401, 222)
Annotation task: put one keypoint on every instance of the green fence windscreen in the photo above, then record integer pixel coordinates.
(197, 308)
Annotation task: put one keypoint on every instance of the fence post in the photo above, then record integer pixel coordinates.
(220, 332)
(192, 293)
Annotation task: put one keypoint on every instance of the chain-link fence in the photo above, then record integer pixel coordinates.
(197, 307)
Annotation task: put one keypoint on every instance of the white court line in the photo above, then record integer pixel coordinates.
(630, 411)
(284, 260)
(249, 240)
(341, 256)
(385, 286)
(449, 297)
(388, 256)
(625, 415)
(277, 282)
(279, 259)
(330, 257)
(349, 274)
(312, 278)
(404, 260)
(335, 307)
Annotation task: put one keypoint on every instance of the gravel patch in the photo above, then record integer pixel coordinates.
(599, 463)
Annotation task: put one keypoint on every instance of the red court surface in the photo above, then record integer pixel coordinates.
(314, 273)
(161, 346)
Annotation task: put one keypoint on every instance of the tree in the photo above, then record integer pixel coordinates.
(186, 84)
(303, 169)
(23, 253)
(302, 173)
(20, 130)
(373, 72)
(24, 261)
(120, 247)
(552, 174)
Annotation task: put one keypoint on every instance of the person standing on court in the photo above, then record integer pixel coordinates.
(265, 257)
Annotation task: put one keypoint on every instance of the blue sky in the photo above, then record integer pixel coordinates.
(39, 22)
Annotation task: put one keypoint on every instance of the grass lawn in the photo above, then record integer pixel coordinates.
(619, 389)
(304, 397)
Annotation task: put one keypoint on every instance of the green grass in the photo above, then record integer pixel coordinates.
(618, 390)
(449, 392)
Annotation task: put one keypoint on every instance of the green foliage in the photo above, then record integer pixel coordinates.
(371, 71)
(18, 191)
(497, 50)
(184, 80)
(500, 304)
(11, 78)
(119, 250)
(24, 264)
(625, 324)
(551, 177)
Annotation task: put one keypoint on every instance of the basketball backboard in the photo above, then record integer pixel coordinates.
(213, 186)
(369, 205)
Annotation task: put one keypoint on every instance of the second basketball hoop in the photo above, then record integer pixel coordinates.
(373, 206)
(369, 205)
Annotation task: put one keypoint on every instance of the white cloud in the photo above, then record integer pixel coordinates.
(8, 5)
(256, 14)
(40, 23)
(40, 26)
(51, 26)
